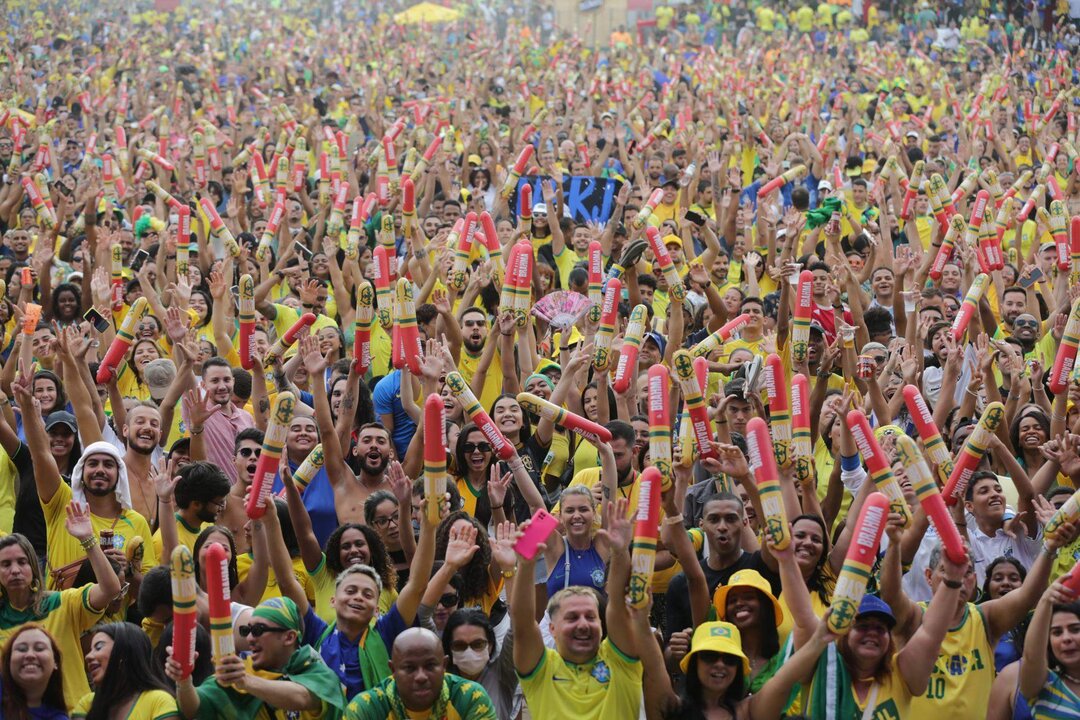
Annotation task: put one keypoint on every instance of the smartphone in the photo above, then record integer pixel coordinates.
(304, 250)
(141, 256)
(1035, 276)
(96, 319)
(542, 525)
(695, 218)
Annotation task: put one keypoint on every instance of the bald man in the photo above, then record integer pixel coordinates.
(419, 684)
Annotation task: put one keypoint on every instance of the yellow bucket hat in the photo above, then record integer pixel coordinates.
(746, 579)
(718, 637)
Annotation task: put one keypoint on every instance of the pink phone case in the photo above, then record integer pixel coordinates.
(541, 527)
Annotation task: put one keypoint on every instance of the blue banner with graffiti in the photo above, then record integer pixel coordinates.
(587, 198)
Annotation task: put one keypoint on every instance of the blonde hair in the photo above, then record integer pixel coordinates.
(561, 596)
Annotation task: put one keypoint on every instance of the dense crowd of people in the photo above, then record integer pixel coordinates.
(359, 366)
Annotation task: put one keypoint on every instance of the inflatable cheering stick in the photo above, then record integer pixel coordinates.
(593, 432)
(660, 422)
(519, 276)
(877, 464)
(596, 280)
(695, 404)
(517, 171)
(185, 616)
(970, 306)
(434, 456)
(643, 214)
(858, 564)
(791, 175)
(926, 490)
(286, 341)
(931, 438)
(216, 572)
(760, 452)
(276, 431)
(801, 453)
(308, 469)
(406, 322)
(1058, 221)
(626, 369)
(646, 531)
(1065, 359)
(218, 228)
(667, 266)
(779, 407)
(804, 309)
(609, 315)
(1067, 513)
(383, 294)
(246, 288)
(365, 296)
(116, 276)
(525, 208)
(494, 247)
(125, 336)
(462, 251)
(972, 453)
(183, 240)
(461, 390)
(721, 336)
(948, 243)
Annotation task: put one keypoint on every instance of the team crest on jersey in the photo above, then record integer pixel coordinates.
(601, 673)
(886, 711)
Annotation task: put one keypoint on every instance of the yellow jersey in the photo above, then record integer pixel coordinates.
(151, 705)
(324, 581)
(186, 534)
(963, 672)
(64, 549)
(493, 382)
(608, 686)
(66, 615)
(243, 565)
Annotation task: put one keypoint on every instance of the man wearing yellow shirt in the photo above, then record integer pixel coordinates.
(475, 330)
(200, 496)
(752, 334)
(668, 206)
(99, 480)
(804, 19)
(585, 676)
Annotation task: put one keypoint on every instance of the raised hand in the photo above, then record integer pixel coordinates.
(175, 325)
(164, 477)
(314, 362)
(461, 546)
(618, 528)
(198, 412)
(497, 486)
(502, 549)
(78, 522)
(400, 484)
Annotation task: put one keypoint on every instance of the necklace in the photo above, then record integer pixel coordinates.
(1069, 677)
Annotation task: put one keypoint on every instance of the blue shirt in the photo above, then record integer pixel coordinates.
(343, 655)
(318, 498)
(387, 401)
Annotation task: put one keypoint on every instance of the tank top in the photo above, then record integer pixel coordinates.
(577, 567)
(1056, 700)
(963, 673)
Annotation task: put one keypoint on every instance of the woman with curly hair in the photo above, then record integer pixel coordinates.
(31, 682)
(482, 576)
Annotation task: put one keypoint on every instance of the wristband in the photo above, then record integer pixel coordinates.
(674, 520)
(849, 463)
(496, 507)
(953, 584)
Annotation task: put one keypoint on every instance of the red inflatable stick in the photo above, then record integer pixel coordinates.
(859, 563)
(626, 370)
(593, 432)
(286, 341)
(1065, 359)
(776, 389)
(646, 531)
(216, 573)
(695, 404)
(762, 461)
(928, 431)
(125, 336)
(609, 316)
(185, 616)
(461, 390)
(596, 279)
(434, 456)
(660, 422)
(721, 336)
(801, 453)
(877, 464)
(926, 490)
(246, 289)
(972, 453)
(276, 431)
(970, 306)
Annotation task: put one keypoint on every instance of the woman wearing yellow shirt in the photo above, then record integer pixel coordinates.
(128, 684)
(129, 380)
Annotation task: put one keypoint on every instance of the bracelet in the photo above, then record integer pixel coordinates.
(1049, 553)
(674, 520)
(961, 525)
(196, 431)
(507, 574)
(496, 507)
(1059, 417)
(89, 542)
(953, 584)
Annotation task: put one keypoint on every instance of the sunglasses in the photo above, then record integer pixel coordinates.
(711, 656)
(1026, 323)
(259, 630)
(476, 645)
(247, 452)
(449, 600)
(473, 447)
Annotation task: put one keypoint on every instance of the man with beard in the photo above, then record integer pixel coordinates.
(420, 686)
(475, 329)
(99, 481)
(281, 675)
(225, 420)
(1025, 332)
(1014, 302)
(200, 497)
(245, 459)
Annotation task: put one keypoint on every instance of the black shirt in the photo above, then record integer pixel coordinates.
(678, 594)
(29, 517)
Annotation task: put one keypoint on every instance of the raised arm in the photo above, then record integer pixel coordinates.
(408, 599)
(46, 474)
(916, 660)
(107, 587)
(620, 531)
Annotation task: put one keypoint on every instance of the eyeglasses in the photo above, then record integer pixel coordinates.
(219, 504)
(449, 600)
(386, 521)
(711, 656)
(476, 645)
(247, 452)
(123, 591)
(259, 630)
(473, 447)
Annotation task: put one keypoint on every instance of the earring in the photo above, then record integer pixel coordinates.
(34, 586)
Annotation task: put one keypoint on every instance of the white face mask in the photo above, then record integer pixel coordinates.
(471, 662)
